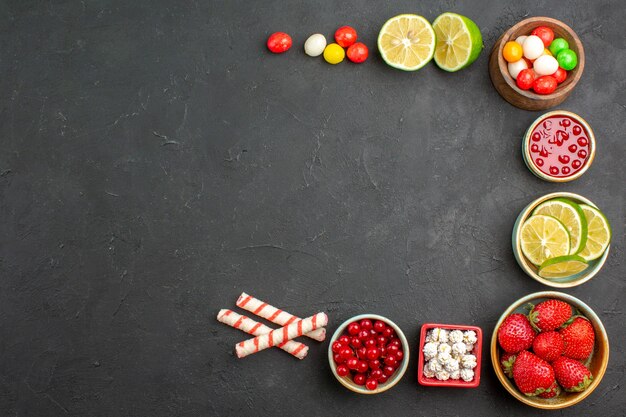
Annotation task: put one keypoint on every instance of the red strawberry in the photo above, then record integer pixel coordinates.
(579, 339)
(549, 315)
(551, 392)
(572, 375)
(548, 345)
(506, 361)
(531, 374)
(515, 333)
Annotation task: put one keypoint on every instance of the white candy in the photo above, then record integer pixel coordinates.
(469, 347)
(428, 373)
(470, 337)
(434, 366)
(455, 336)
(315, 44)
(444, 358)
(517, 67)
(455, 375)
(468, 362)
(444, 348)
(467, 375)
(458, 348)
(545, 65)
(452, 365)
(430, 350)
(443, 375)
(443, 336)
(533, 47)
(521, 39)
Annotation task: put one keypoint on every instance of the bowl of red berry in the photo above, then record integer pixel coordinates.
(368, 354)
(450, 355)
(549, 350)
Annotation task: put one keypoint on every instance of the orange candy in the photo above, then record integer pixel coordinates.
(512, 52)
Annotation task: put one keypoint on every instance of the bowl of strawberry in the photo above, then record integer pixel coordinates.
(549, 350)
(368, 354)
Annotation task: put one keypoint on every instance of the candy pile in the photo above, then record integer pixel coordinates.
(538, 61)
(543, 351)
(368, 351)
(266, 337)
(561, 237)
(448, 354)
(315, 45)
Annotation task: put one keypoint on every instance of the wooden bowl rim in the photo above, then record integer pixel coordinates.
(502, 64)
(589, 313)
(395, 378)
(524, 263)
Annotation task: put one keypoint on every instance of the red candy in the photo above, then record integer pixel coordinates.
(560, 75)
(357, 53)
(345, 36)
(525, 79)
(370, 356)
(545, 85)
(545, 34)
(279, 42)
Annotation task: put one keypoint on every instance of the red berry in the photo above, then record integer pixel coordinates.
(550, 314)
(371, 384)
(357, 52)
(279, 42)
(392, 349)
(579, 339)
(399, 355)
(395, 342)
(383, 379)
(362, 367)
(346, 353)
(359, 379)
(337, 346)
(506, 361)
(545, 34)
(364, 335)
(370, 343)
(381, 340)
(525, 79)
(345, 36)
(352, 363)
(354, 328)
(342, 370)
(379, 326)
(376, 373)
(545, 85)
(551, 392)
(361, 352)
(355, 342)
(548, 345)
(388, 370)
(515, 333)
(382, 351)
(391, 361)
(372, 353)
(344, 340)
(338, 358)
(532, 374)
(387, 332)
(560, 75)
(571, 374)
(366, 324)
(375, 364)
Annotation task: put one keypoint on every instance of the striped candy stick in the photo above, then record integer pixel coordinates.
(273, 314)
(246, 324)
(278, 336)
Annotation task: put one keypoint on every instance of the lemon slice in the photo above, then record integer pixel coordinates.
(407, 42)
(562, 266)
(572, 217)
(459, 41)
(598, 233)
(543, 237)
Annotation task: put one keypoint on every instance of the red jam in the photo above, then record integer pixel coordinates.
(559, 146)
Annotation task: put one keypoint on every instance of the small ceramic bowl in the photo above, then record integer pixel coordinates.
(530, 269)
(561, 141)
(346, 381)
(596, 363)
(527, 99)
(459, 383)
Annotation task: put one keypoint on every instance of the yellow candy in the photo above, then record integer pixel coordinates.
(546, 51)
(334, 54)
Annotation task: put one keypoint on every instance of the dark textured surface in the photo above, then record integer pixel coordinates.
(157, 160)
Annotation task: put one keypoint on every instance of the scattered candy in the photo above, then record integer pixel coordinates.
(315, 44)
(533, 47)
(334, 54)
(279, 42)
(345, 36)
(357, 52)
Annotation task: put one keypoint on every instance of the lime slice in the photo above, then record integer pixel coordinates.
(407, 42)
(572, 217)
(543, 237)
(562, 266)
(598, 233)
(459, 41)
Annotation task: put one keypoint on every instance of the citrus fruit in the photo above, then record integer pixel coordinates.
(572, 217)
(512, 51)
(598, 233)
(543, 237)
(406, 42)
(459, 42)
(562, 266)
(334, 54)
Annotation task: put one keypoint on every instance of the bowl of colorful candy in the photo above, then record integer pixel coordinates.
(450, 355)
(368, 354)
(561, 239)
(549, 350)
(536, 64)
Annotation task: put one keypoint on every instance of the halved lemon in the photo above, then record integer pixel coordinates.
(543, 237)
(572, 217)
(562, 266)
(598, 233)
(459, 41)
(407, 42)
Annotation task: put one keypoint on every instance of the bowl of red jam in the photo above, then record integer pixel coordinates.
(368, 354)
(559, 146)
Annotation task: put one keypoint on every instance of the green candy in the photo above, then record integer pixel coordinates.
(567, 59)
(557, 45)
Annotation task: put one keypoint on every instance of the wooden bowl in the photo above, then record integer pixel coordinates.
(505, 84)
(530, 269)
(346, 381)
(596, 363)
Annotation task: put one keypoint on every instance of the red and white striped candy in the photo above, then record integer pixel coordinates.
(278, 336)
(246, 324)
(273, 314)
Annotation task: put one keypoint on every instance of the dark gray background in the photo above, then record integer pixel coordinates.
(156, 161)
